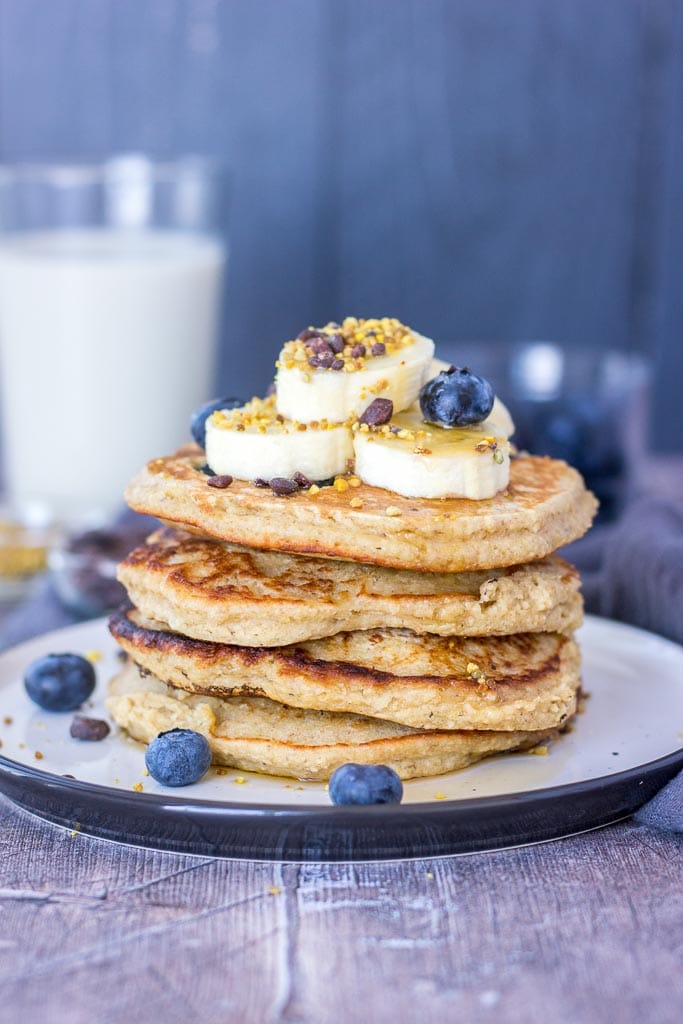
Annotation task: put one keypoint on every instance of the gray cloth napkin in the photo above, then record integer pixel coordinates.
(665, 811)
(642, 569)
(42, 613)
(632, 571)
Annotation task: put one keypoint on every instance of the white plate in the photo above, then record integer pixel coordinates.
(633, 717)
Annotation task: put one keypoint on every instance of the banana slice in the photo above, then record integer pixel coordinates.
(256, 441)
(341, 369)
(418, 460)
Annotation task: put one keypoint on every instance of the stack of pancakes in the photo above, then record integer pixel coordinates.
(300, 633)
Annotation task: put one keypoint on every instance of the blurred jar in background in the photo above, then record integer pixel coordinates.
(110, 286)
(587, 407)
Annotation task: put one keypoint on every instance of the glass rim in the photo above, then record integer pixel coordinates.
(569, 349)
(78, 173)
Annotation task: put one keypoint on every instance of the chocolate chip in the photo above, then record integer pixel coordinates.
(260, 482)
(310, 332)
(220, 481)
(318, 345)
(336, 343)
(358, 350)
(83, 728)
(378, 349)
(378, 412)
(338, 364)
(323, 361)
(301, 480)
(282, 487)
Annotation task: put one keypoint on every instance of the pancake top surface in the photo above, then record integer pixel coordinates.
(226, 570)
(495, 661)
(523, 681)
(257, 734)
(545, 506)
(218, 591)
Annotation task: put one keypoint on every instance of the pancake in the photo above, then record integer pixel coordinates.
(213, 591)
(545, 506)
(256, 734)
(528, 681)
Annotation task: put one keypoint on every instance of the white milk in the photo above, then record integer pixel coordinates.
(107, 344)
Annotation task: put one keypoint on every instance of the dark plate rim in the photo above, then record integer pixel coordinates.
(176, 821)
(283, 812)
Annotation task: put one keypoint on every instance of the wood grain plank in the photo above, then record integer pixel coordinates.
(55, 86)
(667, 320)
(145, 49)
(534, 935)
(490, 166)
(125, 930)
(267, 119)
(480, 169)
(590, 928)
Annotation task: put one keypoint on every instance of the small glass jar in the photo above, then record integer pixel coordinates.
(26, 536)
(84, 564)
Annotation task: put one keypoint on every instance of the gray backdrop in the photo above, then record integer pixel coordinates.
(479, 168)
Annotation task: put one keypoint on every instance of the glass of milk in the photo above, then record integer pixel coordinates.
(110, 288)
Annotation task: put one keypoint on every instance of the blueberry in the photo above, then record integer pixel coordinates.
(456, 398)
(198, 419)
(60, 682)
(178, 757)
(365, 784)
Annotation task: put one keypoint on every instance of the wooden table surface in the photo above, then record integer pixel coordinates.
(585, 929)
